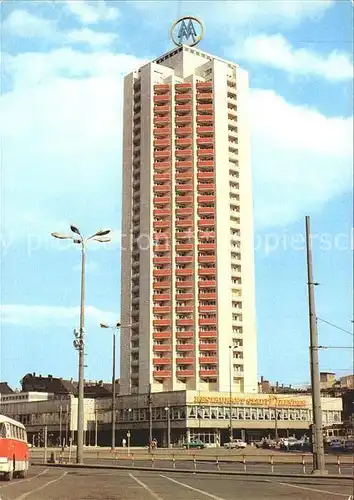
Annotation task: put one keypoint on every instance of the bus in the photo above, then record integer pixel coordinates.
(14, 449)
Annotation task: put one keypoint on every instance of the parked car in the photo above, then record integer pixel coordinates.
(349, 445)
(235, 444)
(196, 443)
(336, 444)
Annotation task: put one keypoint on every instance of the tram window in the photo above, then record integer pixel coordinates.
(2, 431)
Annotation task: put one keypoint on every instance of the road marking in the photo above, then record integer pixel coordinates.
(210, 495)
(25, 495)
(145, 486)
(309, 489)
(14, 483)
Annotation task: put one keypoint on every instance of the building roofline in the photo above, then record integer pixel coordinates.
(187, 48)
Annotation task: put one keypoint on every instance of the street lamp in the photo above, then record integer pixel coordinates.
(114, 330)
(168, 413)
(230, 389)
(79, 342)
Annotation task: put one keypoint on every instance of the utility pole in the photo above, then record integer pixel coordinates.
(60, 425)
(319, 466)
(150, 417)
(230, 391)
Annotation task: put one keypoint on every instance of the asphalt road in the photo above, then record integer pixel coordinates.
(59, 483)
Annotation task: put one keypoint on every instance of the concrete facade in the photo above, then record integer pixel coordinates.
(187, 246)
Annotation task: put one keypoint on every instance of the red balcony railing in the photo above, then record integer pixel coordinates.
(205, 118)
(211, 334)
(162, 131)
(206, 321)
(206, 222)
(206, 198)
(183, 107)
(204, 259)
(184, 322)
(162, 374)
(162, 348)
(184, 335)
(206, 211)
(185, 141)
(202, 175)
(185, 347)
(202, 247)
(162, 165)
(162, 119)
(208, 373)
(162, 309)
(162, 109)
(183, 235)
(162, 154)
(206, 152)
(184, 284)
(183, 97)
(207, 347)
(161, 361)
(185, 272)
(162, 248)
(182, 153)
(161, 335)
(207, 284)
(185, 361)
(208, 360)
(161, 260)
(184, 223)
(209, 271)
(204, 96)
(183, 86)
(205, 107)
(162, 98)
(204, 86)
(161, 200)
(184, 188)
(183, 131)
(206, 235)
(185, 296)
(184, 373)
(161, 212)
(159, 273)
(184, 199)
(204, 187)
(207, 296)
(164, 188)
(181, 176)
(161, 87)
(185, 259)
(160, 285)
(184, 247)
(207, 129)
(205, 163)
(161, 297)
(161, 322)
(184, 164)
(183, 119)
(184, 211)
(184, 309)
(162, 142)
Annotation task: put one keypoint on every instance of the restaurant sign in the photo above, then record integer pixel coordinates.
(270, 401)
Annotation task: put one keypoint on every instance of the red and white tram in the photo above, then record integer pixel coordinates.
(13, 448)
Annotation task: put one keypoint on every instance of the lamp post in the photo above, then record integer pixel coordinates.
(114, 330)
(230, 390)
(79, 342)
(168, 414)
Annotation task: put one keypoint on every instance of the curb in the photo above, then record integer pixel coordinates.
(189, 471)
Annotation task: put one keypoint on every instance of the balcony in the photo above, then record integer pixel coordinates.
(183, 131)
(183, 235)
(184, 211)
(184, 141)
(207, 284)
(162, 309)
(184, 164)
(211, 334)
(162, 119)
(185, 335)
(183, 176)
(184, 373)
(161, 322)
(184, 188)
(205, 107)
(162, 374)
(162, 177)
(206, 211)
(205, 163)
(205, 118)
(183, 87)
(162, 131)
(208, 373)
(161, 297)
(183, 322)
(184, 199)
(202, 175)
(202, 96)
(182, 153)
(162, 348)
(159, 273)
(161, 260)
(183, 97)
(185, 361)
(207, 296)
(161, 87)
(164, 188)
(184, 309)
(203, 140)
(206, 247)
(161, 200)
(161, 335)
(184, 223)
(161, 248)
(179, 108)
(162, 98)
(160, 285)
(162, 154)
(206, 152)
(161, 212)
(185, 259)
(205, 321)
(184, 247)
(207, 198)
(162, 165)
(206, 222)
(208, 360)
(161, 109)
(161, 361)
(207, 347)
(185, 272)
(183, 119)
(160, 224)
(185, 296)
(209, 271)
(204, 86)
(206, 235)
(162, 142)
(205, 187)
(205, 130)
(184, 284)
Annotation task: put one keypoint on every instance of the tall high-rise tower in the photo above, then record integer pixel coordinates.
(187, 246)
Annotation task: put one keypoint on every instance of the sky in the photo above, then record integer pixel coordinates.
(61, 155)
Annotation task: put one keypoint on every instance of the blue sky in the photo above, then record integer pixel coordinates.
(63, 64)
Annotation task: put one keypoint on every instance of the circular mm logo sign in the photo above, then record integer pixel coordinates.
(187, 31)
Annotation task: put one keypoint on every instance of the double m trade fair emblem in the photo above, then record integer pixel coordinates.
(187, 31)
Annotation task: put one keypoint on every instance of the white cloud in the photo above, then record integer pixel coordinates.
(301, 158)
(91, 38)
(275, 51)
(22, 24)
(40, 315)
(92, 12)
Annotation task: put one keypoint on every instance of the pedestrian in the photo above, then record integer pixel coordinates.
(124, 442)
